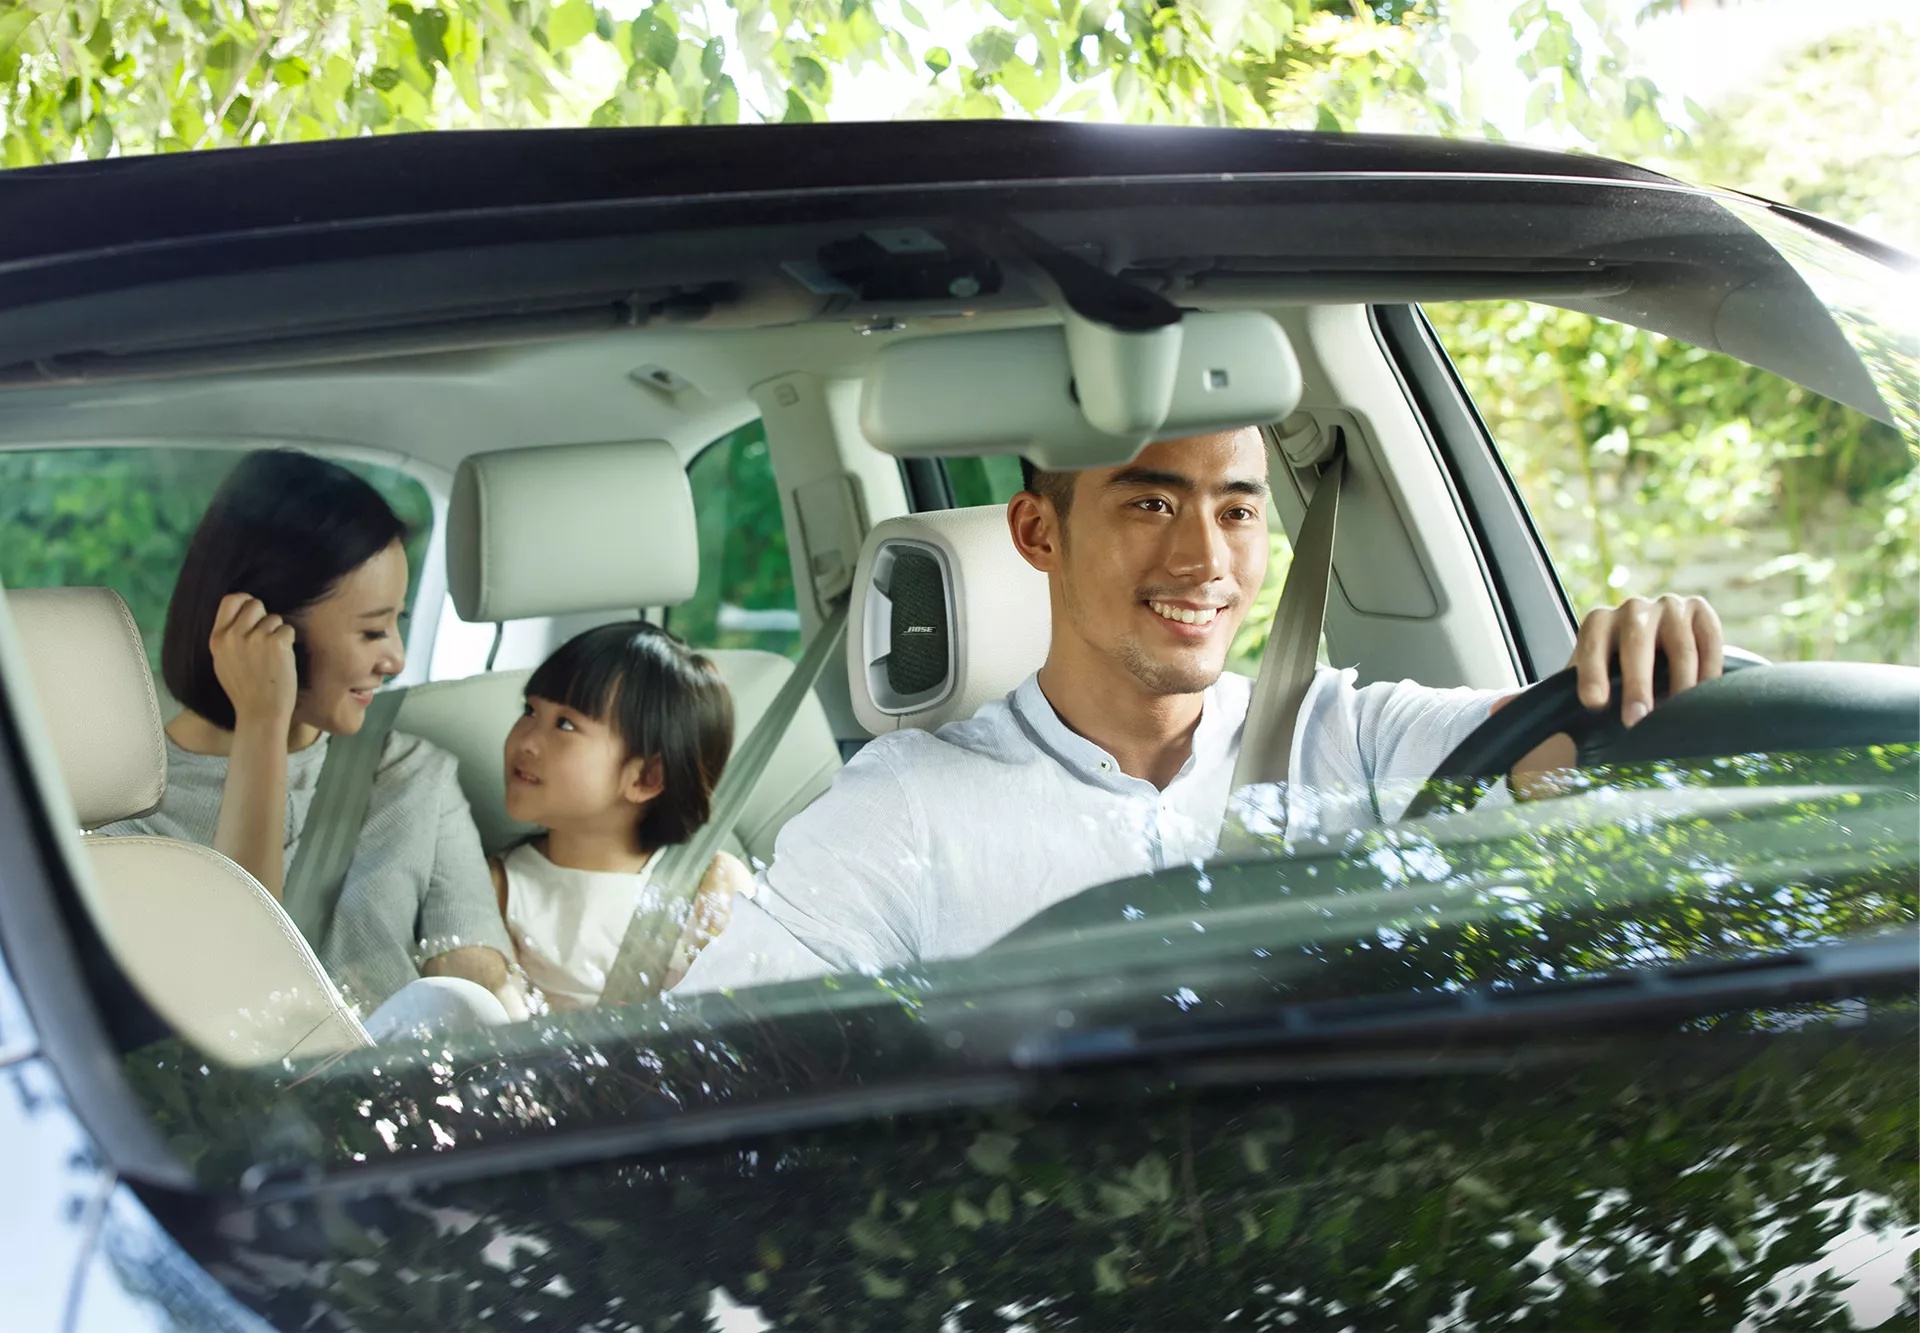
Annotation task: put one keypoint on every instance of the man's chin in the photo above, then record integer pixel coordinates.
(1186, 675)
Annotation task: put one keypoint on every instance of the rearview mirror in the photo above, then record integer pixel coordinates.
(1039, 392)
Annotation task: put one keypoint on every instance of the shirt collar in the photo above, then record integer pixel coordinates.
(1217, 731)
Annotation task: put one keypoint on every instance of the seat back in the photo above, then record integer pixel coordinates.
(204, 942)
(946, 616)
(520, 544)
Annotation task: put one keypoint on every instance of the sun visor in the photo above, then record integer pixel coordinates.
(1036, 392)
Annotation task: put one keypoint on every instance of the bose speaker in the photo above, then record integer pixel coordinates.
(908, 627)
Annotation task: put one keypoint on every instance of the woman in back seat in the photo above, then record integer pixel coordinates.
(284, 622)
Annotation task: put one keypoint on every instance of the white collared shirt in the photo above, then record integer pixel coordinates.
(935, 844)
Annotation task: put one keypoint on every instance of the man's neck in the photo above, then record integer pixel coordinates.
(1149, 735)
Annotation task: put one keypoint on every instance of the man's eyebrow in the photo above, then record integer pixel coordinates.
(1174, 481)
(1150, 476)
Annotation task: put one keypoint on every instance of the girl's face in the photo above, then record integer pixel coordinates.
(571, 771)
(351, 638)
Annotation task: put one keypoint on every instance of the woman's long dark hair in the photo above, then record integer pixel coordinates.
(285, 527)
(664, 700)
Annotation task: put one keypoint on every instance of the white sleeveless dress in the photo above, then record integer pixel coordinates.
(567, 924)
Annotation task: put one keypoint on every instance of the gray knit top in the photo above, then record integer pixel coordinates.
(418, 885)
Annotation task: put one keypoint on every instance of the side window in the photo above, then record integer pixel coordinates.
(121, 519)
(1651, 466)
(745, 598)
(996, 480)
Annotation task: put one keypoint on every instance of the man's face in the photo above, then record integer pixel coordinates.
(1158, 561)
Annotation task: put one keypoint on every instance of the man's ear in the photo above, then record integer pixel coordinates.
(1036, 529)
(642, 779)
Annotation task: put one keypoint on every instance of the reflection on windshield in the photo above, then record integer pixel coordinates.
(885, 1166)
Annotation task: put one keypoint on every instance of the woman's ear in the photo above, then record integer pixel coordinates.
(642, 779)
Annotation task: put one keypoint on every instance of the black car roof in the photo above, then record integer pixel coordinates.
(57, 210)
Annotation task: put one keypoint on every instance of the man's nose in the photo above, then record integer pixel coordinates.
(1198, 548)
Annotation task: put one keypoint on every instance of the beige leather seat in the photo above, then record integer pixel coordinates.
(592, 528)
(203, 941)
(989, 602)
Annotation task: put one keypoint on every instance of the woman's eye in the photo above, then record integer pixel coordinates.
(373, 635)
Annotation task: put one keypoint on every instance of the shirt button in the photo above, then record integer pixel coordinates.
(1106, 766)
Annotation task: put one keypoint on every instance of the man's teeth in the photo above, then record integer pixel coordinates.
(1184, 614)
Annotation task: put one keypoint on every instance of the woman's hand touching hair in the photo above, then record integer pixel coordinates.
(253, 661)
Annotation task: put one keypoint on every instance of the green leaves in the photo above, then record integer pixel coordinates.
(655, 38)
(570, 22)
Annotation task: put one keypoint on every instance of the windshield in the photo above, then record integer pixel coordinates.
(798, 754)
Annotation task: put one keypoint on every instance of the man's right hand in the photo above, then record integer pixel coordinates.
(253, 661)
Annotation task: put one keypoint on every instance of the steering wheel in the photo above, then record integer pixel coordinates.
(1754, 706)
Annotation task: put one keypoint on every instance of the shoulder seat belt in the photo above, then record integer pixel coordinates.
(646, 950)
(332, 828)
(1293, 646)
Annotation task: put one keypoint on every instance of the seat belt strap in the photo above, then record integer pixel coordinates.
(646, 950)
(331, 832)
(1288, 661)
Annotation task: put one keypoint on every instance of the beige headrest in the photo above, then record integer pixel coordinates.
(90, 671)
(565, 528)
(946, 615)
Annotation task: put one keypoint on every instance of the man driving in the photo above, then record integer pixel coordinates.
(1116, 757)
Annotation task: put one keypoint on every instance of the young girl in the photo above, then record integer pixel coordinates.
(625, 733)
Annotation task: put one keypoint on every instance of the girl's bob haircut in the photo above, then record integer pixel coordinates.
(665, 701)
(285, 527)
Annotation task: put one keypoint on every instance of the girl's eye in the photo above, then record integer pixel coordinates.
(566, 724)
(526, 710)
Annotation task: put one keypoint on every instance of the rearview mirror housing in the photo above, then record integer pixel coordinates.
(1082, 395)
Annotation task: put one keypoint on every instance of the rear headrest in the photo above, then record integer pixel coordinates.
(946, 615)
(580, 527)
(90, 672)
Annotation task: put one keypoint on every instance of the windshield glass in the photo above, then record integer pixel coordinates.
(939, 878)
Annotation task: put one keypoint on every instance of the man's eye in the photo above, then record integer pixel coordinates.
(1153, 505)
(1240, 513)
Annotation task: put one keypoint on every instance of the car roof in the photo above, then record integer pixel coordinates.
(132, 201)
(164, 265)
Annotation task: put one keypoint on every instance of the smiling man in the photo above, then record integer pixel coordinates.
(1117, 756)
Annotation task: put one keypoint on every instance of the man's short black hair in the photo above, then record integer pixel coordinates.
(664, 700)
(1056, 486)
(285, 527)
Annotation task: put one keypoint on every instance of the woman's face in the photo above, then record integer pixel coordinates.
(352, 641)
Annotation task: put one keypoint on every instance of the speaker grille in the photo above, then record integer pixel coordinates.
(917, 659)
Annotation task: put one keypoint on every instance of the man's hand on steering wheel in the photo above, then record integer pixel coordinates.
(1683, 629)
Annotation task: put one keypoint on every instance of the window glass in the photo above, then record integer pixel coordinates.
(121, 519)
(745, 598)
(996, 480)
(1650, 465)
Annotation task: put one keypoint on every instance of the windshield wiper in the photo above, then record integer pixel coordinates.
(1883, 965)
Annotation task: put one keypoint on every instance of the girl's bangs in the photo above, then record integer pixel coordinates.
(577, 676)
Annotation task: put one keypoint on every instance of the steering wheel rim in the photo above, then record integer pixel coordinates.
(1806, 705)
